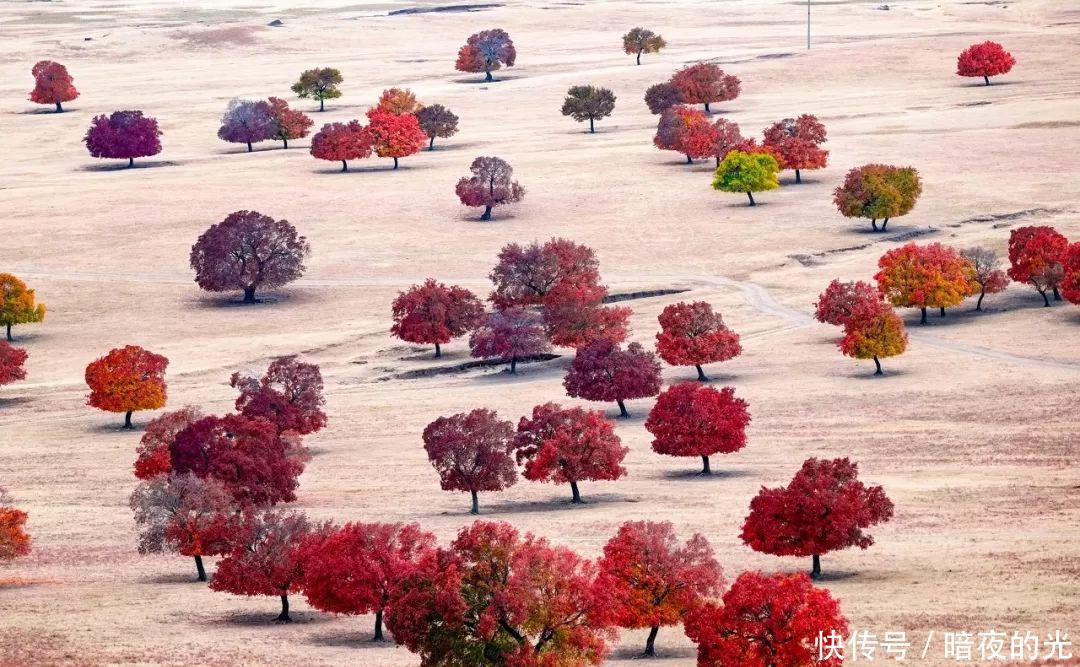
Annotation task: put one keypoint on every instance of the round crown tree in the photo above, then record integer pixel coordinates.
(873, 331)
(248, 251)
(687, 131)
(986, 60)
(797, 142)
(14, 542)
(878, 192)
(510, 335)
(588, 103)
(1036, 254)
(604, 371)
(247, 122)
(123, 135)
(662, 96)
(839, 300)
(436, 121)
(642, 40)
(983, 273)
(434, 313)
(341, 142)
(394, 135)
(691, 419)
(486, 51)
(472, 452)
(706, 83)
(52, 84)
(692, 334)
(153, 455)
(17, 304)
(320, 84)
(747, 172)
(288, 123)
(289, 394)
(125, 380)
(491, 184)
(928, 276)
(11, 363)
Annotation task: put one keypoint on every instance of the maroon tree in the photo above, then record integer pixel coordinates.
(436, 121)
(727, 138)
(606, 372)
(435, 313)
(247, 251)
(692, 334)
(510, 335)
(289, 394)
(568, 445)
(705, 83)
(797, 142)
(471, 452)
(123, 135)
(691, 419)
(247, 122)
(525, 275)
(490, 185)
(662, 96)
(152, 455)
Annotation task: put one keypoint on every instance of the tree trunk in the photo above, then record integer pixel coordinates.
(576, 500)
(751, 196)
(701, 377)
(322, 104)
(438, 351)
(488, 76)
(513, 365)
(286, 142)
(638, 62)
(942, 312)
(622, 408)
(706, 107)
(689, 160)
(1057, 294)
(284, 617)
(705, 469)
(200, 569)
(487, 213)
(592, 127)
(344, 165)
(431, 143)
(717, 161)
(798, 177)
(127, 419)
(475, 503)
(873, 224)
(923, 320)
(815, 573)
(131, 162)
(884, 224)
(978, 304)
(378, 626)
(9, 332)
(249, 147)
(878, 364)
(987, 80)
(249, 295)
(395, 163)
(59, 109)
(650, 647)
(1046, 302)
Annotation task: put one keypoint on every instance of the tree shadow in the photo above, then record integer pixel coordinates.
(14, 401)
(869, 375)
(630, 652)
(480, 81)
(264, 300)
(360, 638)
(561, 503)
(176, 578)
(117, 426)
(123, 166)
(256, 148)
(450, 146)
(977, 82)
(43, 111)
(268, 617)
(694, 475)
(381, 168)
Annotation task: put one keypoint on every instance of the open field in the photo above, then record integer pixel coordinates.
(973, 432)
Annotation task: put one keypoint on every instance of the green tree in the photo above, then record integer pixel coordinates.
(747, 172)
(319, 84)
(588, 103)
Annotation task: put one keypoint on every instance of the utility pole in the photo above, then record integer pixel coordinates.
(807, 25)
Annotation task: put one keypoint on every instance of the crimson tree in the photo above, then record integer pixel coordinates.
(687, 131)
(11, 363)
(289, 394)
(1035, 255)
(604, 371)
(574, 317)
(248, 251)
(797, 141)
(525, 275)
(986, 60)
(52, 84)
(705, 83)
(288, 123)
(435, 313)
(836, 303)
(471, 452)
(692, 334)
(341, 141)
(491, 184)
(510, 335)
(152, 455)
(691, 419)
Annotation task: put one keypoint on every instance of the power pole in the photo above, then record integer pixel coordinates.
(807, 25)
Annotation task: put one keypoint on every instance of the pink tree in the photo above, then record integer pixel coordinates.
(604, 371)
(435, 313)
(123, 135)
(490, 185)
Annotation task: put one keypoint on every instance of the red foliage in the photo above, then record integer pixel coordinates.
(353, 569)
(604, 371)
(655, 581)
(153, 457)
(471, 452)
(127, 379)
(434, 313)
(662, 96)
(568, 445)
(14, 542)
(289, 123)
(11, 363)
(394, 135)
(986, 60)
(687, 131)
(1070, 284)
(496, 598)
(726, 138)
(824, 508)
(767, 621)
(1037, 255)
(796, 142)
(928, 276)
(491, 184)
(486, 51)
(837, 302)
(52, 84)
(510, 335)
(289, 394)
(705, 83)
(526, 274)
(258, 465)
(575, 319)
(692, 334)
(124, 135)
(267, 557)
(341, 141)
(691, 419)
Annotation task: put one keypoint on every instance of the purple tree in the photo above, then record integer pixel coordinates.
(247, 122)
(123, 134)
(246, 251)
(510, 334)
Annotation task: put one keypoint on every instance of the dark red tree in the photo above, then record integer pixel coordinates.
(1070, 284)
(247, 122)
(152, 455)
(510, 335)
(248, 251)
(1036, 255)
(726, 138)
(354, 568)
(606, 372)
(341, 141)
(11, 363)
(471, 452)
(574, 318)
(839, 300)
(526, 274)
(123, 135)
(692, 334)
(486, 51)
(491, 184)
(824, 508)
(767, 621)
(653, 580)
(436, 121)
(288, 123)
(289, 394)
(986, 60)
(52, 84)
(568, 445)
(705, 83)
(434, 313)
(662, 96)
(798, 143)
(690, 419)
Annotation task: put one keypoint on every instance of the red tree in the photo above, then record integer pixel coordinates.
(14, 542)
(1070, 284)
(496, 598)
(692, 334)
(491, 184)
(655, 581)
(606, 372)
(767, 621)
(289, 394)
(687, 131)
(125, 380)
(258, 465)
(353, 569)
(394, 135)
(52, 84)
(510, 335)
(435, 313)
(568, 445)
(341, 141)
(123, 135)
(824, 508)
(574, 318)
(705, 83)
(726, 138)
(797, 142)
(690, 419)
(1036, 255)
(267, 557)
(486, 51)
(986, 60)
(152, 454)
(248, 251)
(11, 363)
(288, 123)
(928, 276)
(837, 302)
(525, 275)
(471, 452)
(185, 514)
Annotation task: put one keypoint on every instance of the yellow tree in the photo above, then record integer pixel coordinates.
(17, 303)
(747, 172)
(873, 331)
(929, 276)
